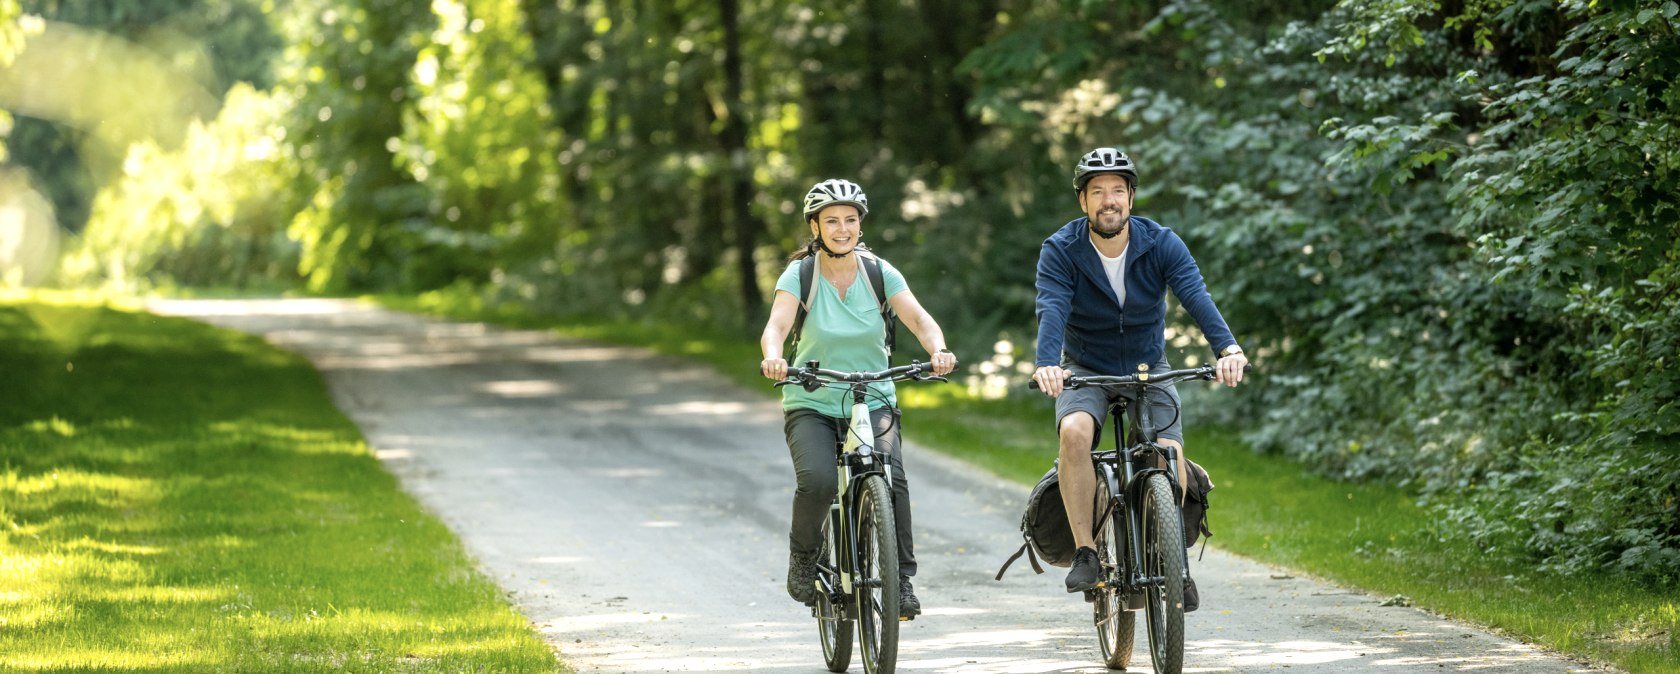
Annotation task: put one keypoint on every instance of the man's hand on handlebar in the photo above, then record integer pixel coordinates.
(1050, 378)
(1230, 369)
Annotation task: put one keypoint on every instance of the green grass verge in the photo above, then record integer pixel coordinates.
(176, 498)
(1371, 536)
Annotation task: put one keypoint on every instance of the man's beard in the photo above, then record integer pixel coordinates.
(1105, 232)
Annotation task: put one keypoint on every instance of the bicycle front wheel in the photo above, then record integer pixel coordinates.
(1116, 626)
(1163, 557)
(833, 628)
(877, 577)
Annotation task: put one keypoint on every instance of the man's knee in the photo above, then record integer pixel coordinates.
(1076, 430)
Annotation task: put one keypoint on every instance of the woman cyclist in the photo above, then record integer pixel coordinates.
(843, 330)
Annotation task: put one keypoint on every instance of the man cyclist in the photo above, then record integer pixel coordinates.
(1102, 305)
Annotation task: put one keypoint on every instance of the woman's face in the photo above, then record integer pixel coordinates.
(839, 226)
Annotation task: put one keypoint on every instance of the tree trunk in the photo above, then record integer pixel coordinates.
(740, 175)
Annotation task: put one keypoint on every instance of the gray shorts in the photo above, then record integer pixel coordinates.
(1095, 400)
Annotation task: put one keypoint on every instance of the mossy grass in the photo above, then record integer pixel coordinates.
(1371, 536)
(177, 498)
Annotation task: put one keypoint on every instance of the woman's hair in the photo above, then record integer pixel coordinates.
(809, 249)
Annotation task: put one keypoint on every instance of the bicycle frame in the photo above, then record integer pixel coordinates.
(855, 460)
(1120, 472)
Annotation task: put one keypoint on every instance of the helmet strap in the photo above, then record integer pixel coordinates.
(824, 246)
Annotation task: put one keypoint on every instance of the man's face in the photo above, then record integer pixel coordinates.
(839, 227)
(1107, 201)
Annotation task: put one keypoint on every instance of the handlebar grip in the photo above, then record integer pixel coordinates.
(1070, 383)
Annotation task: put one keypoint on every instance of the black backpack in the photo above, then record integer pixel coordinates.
(877, 285)
(1044, 525)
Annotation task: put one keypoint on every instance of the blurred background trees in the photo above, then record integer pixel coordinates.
(1447, 230)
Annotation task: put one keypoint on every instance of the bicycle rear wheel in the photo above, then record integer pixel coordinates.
(877, 577)
(1116, 626)
(833, 628)
(1163, 546)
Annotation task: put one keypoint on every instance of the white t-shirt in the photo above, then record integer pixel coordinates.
(1115, 268)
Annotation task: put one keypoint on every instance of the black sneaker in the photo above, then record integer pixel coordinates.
(908, 605)
(1192, 598)
(802, 577)
(1085, 572)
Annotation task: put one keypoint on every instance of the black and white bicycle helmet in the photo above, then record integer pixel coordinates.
(835, 191)
(1103, 160)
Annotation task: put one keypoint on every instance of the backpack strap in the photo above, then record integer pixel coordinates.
(878, 287)
(1026, 549)
(808, 294)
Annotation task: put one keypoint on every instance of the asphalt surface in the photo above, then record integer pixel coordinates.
(635, 508)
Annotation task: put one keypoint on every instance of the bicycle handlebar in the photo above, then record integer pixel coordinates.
(1204, 372)
(811, 375)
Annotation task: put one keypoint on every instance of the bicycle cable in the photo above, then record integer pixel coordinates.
(869, 392)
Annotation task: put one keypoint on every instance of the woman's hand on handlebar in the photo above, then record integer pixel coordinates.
(773, 368)
(943, 362)
(1049, 379)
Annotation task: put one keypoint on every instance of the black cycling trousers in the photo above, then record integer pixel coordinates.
(812, 438)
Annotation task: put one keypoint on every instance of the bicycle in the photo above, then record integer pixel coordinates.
(1139, 528)
(857, 569)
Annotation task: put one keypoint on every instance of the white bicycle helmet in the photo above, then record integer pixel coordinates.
(835, 191)
(1103, 160)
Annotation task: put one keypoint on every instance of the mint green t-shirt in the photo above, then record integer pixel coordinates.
(848, 336)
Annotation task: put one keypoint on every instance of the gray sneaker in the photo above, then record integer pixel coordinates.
(802, 577)
(908, 605)
(1085, 572)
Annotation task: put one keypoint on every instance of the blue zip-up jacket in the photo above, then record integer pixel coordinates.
(1079, 315)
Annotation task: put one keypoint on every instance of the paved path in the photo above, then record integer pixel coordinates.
(635, 508)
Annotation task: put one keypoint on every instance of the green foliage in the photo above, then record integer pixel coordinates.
(1572, 193)
(210, 43)
(480, 140)
(176, 498)
(350, 78)
(207, 213)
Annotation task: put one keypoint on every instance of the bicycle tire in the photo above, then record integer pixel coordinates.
(833, 629)
(1163, 544)
(876, 580)
(1116, 626)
